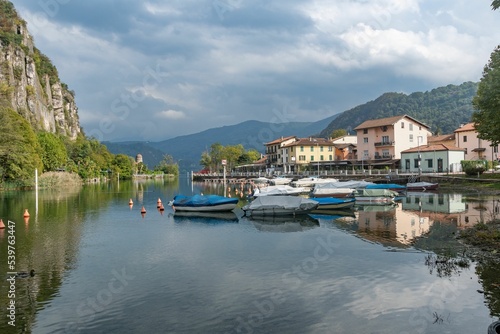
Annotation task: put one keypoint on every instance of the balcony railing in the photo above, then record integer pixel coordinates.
(384, 156)
(385, 143)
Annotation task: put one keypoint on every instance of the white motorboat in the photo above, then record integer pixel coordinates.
(279, 190)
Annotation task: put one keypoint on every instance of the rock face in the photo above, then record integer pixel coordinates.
(29, 83)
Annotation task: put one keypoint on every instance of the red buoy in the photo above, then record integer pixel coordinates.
(26, 213)
(143, 210)
(2, 225)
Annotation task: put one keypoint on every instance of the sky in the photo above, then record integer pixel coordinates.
(152, 70)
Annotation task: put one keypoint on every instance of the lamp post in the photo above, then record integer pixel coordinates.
(419, 157)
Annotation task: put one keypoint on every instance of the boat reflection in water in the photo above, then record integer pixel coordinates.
(205, 217)
(284, 224)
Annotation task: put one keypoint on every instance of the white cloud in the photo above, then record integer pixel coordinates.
(172, 114)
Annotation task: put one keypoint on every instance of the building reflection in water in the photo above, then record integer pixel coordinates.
(414, 215)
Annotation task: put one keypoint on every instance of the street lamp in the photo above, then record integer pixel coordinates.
(419, 157)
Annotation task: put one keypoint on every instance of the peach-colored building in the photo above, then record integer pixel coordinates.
(345, 147)
(382, 140)
(475, 148)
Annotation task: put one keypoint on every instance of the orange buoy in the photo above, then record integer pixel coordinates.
(143, 210)
(130, 202)
(162, 207)
(158, 203)
(26, 213)
(2, 225)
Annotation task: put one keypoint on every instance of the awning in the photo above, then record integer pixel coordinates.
(386, 162)
(479, 149)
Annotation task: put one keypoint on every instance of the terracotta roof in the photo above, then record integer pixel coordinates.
(432, 147)
(466, 127)
(310, 142)
(440, 138)
(373, 123)
(279, 140)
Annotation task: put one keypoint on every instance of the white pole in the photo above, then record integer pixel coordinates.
(36, 191)
(224, 180)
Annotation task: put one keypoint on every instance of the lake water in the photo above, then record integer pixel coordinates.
(103, 268)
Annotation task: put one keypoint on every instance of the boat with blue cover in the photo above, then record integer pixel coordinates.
(203, 203)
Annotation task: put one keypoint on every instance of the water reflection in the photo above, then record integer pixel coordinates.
(80, 235)
(205, 217)
(284, 224)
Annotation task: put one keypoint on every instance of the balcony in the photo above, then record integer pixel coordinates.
(384, 156)
(384, 143)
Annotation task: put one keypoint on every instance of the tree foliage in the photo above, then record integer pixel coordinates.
(168, 166)
(54, 154)
(486, 118)
(19, 149)
(233, 154)
(443, 108)
(495, 4)
(338, 133)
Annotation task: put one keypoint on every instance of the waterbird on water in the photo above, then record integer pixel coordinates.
(25, 274)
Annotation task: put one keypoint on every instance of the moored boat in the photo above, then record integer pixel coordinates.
(390, 186)
(280, 206)
(278, 190)
(329, 203)
(310, 181)
(203, 203)
(280, 180)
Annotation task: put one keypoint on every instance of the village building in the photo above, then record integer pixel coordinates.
(432, 158)
(274, 152)
(381, 141)
(466, 137)
(307, 154)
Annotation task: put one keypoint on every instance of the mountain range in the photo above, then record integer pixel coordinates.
(443, 109)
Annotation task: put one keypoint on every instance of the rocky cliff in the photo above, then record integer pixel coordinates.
(29, 83)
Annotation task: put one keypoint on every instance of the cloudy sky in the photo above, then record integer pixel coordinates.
(152, 70)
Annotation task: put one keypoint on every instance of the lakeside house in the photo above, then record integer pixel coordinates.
(475, 148)
(432, 158)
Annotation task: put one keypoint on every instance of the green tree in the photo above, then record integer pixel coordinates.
(338, 133)
(495, 4)
(122, 165)
(19, 149)
(248, 157)
(206, 160)
(216, 155)
(232, 153)
(54, 154)
(168, 166)
(486, 118)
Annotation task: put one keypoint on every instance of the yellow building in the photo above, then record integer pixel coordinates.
(307, 151)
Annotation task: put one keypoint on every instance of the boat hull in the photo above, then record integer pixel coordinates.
(200, 203)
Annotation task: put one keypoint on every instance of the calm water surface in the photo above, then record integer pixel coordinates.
(102, 268)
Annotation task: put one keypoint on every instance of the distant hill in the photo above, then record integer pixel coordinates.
(188, 149)
(443, 109)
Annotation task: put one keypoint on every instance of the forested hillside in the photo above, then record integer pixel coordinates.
(443, 108)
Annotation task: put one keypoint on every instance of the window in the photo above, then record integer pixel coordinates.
(291, 149)
(495, 149)
(330, 149)
(386, 154)
(465, 139)
(312, 148)
(365, 131)
(402, 125)
(302, 149)
(365, 140)
(385, 139)
(411, 127)
(365, 154)
(321, 158)
(429, 163)
(465, 150)
(411, 138)
(384, 128)
(302, 158)
(321, 148)
(330, 157)
(312, 157)
(415, 163)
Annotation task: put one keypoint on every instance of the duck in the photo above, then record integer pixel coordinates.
(25, 274)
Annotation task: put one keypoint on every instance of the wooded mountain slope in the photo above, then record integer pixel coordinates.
(443, 109)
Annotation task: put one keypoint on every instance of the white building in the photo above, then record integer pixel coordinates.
(432, 158)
